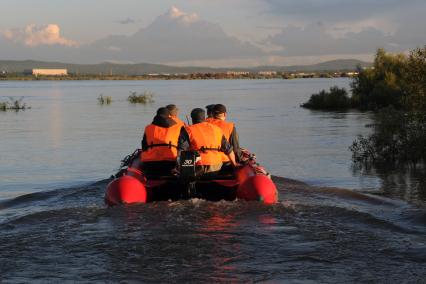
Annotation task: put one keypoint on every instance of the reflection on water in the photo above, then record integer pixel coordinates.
(56, 122)
(407, 184)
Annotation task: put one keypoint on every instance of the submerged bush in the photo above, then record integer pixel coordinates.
(146, 97)
(398, 140)
(335, 99)
(104, 100)
(13, 104)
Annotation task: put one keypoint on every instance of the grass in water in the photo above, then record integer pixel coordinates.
(146, 97)
(104, 100)
(14, 104)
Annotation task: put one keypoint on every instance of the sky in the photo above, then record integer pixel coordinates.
(219, 33)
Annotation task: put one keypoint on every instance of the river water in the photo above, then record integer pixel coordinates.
(331, 225)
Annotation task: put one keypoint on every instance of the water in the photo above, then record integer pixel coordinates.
(68, 139)
(55, 157)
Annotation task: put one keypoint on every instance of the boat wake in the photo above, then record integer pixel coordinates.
(314, 234)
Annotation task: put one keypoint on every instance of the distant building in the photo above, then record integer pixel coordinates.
(47, 72)
(352, 74)
(237, 73)
(267, 73)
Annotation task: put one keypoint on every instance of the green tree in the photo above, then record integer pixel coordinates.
(382, 85)
(416, 79)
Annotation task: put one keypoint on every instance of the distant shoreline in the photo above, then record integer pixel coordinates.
(197, 76)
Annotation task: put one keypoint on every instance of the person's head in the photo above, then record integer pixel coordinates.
(173, 109)
(219, 111)
(209, 109)
(164, 112)
(198, 115)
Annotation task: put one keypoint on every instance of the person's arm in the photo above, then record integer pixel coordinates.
(144, 143)
(227, 149)
(231, 157)
(234, 141)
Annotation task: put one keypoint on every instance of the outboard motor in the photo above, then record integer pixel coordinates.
(187, 160)
(188, 172)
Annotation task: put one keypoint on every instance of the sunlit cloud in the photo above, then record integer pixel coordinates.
(175, 13)
(35, 35)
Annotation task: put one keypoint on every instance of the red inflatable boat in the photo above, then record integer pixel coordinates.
(249, 182)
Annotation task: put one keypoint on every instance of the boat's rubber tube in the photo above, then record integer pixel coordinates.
(251, 184)
(125, 190)
(258, 188)
(255, 186)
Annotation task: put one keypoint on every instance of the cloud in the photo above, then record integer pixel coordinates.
(315, 40)
(175, 13)
(348, 27)
(35, 35)
(336, 10)
(127, 21)
(323, 30)
(177, 36)
(269, 27)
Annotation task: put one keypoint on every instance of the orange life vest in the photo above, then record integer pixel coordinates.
(227, 128)
(207, 139)
(209, 119)
(162, 143)
(177, 120)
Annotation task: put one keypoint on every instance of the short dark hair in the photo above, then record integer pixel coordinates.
(162, 111)
(198, 115)
(219, 108)
(172, 108)
(209, 109)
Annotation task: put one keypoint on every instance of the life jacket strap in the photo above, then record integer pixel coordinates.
(170, 145)
(205, 149)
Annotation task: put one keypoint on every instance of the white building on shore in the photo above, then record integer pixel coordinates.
(237, 73)
(46, 72)
(267, 73)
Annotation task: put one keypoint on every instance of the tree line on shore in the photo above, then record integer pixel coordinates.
(190, 76)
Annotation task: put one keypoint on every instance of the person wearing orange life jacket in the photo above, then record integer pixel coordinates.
(174, 111)
(208, 140)
(160, 144)
(219, 119)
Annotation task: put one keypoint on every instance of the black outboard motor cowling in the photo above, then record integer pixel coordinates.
(187, 160)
